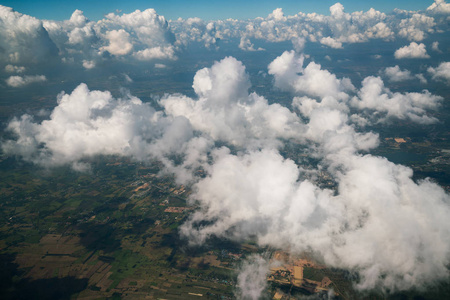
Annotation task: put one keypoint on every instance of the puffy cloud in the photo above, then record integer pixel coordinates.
(77, 35)
(395, 74)
(141, 34)
(396, 248)
(312, 81)
(441, 72)
(83, 124)
(406, 227)
(416, 27)
(435, 46)
(119, 43)
(88, 64)
(87, 123)
(145, 35)
(149, 28)
(78, 19)
(337, 10)
(330, 42)
(18, 81)
(439, 7)
(14, 69)
(333, 93)
(227, 112)
(156, 53)
(380, 31)
(194, 30)
(246, 45)
(413, 50)
(376, 97)
(277, 15)
(23, 39)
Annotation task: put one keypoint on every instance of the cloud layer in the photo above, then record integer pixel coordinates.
(145, 35)
(378, 222)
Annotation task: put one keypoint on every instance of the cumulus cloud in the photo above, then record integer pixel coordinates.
(395, 74)
(442, 72)
(88, 64)
(119, 43)
(246, 45)
(330, 42)
(18, 81)
(195, 30)
(439, 7)
(141, 34)
(14, 69)
(350, 230)
(290, 75)
(83, 124)
(156, 53)
(145, 35)
(277, 15)
(227, 112)
(23, 39)
(374, 96)
(331, 92)
(413, 50)
(416, 27)
(435, 47)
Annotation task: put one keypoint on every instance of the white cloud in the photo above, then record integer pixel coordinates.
(277, 15)
(149, 28)
(18, 81)
(246, 45)
(85, 123)
(414, 50)
(312, 81)
(375, 96)
(435, 46)
(23, 39)
(14, 69)
(416, 27)
(380, 31)
(88, 64)
(78, 19)
(439, 7)
(227, 112)
(330, 42)
(390, 248)
(441, 72)
(395, 74)
(119, 43)
(141, 34)
(156, 53)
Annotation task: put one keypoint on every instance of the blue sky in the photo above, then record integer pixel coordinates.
(205, 9)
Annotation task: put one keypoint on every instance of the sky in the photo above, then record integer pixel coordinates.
(204, 9)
